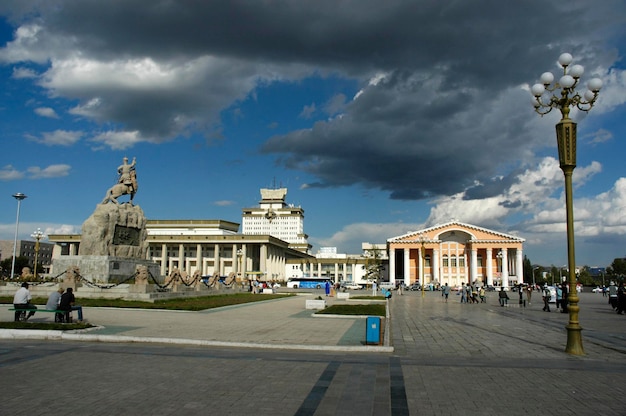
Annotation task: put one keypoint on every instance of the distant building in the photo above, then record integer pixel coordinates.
(276, 218)
(454, 253)
(25, 248)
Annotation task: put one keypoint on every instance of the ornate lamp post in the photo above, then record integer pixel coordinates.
(37, 235)
(499, 260)
(19, 196)
(422, 239)
(562, 95)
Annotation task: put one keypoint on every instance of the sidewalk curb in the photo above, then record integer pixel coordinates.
(68, 336)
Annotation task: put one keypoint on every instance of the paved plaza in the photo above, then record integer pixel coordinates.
(274, 358)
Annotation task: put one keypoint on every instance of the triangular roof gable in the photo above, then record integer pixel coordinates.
(477, 233)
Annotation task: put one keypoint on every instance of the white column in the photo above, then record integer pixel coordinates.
(474, 266)
(392, 266)
(407, 266)
(164, 259)
(263, 260)
(181, 257)
(216, 259)
(519, 266)
(244, 261)
(199, 259)
(505, 267)
(336, 272)
(420, 265)
(435, 266)
(319, 270)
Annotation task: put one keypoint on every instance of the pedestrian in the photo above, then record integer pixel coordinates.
(400, 288)
(559, 296)
(22, 300)
(546, 298)
(520, 292)
(463, 293)
(66, 303)
(468, 293)
(327, 288)
(474, 294)
(529, 293)
(481, 294)
(445, 291)
(53, 303)
(613, 295)
(374, 288)
(503, 297)
(621, 299)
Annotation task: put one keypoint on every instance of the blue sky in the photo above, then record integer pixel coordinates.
(379, 117)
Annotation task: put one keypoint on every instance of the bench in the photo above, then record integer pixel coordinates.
(55, 311)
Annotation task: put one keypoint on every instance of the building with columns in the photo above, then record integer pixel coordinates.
(454, 253)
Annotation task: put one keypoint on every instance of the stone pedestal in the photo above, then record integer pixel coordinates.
(104, 269)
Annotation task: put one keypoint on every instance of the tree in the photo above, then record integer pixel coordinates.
(20, 263)
(528, 270)
(617, 268)
(373, 265)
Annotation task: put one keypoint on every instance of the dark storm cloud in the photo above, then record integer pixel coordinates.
(447, 114)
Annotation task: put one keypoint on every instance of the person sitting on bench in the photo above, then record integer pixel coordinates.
(66, 303)
(53, 303)
(21, 300)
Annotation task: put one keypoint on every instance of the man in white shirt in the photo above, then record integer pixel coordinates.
(21, 300)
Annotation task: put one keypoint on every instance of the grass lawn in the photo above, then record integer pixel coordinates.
(376, 309)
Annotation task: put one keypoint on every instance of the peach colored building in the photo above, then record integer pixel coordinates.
(454, 253)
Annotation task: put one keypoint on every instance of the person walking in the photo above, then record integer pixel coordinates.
(445, 291)
(529, 293)
(481, 294)
(463, 293)
(503, 297)
(621, 299)
(546, 298)
(613, 295)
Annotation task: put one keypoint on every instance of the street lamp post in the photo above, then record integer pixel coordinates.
(19, 196)
(562, 94)
(37, 235)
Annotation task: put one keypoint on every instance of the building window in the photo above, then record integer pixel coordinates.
(452, 261)
(461, 261)
(445, 260)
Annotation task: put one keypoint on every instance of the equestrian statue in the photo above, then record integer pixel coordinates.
(126, 184)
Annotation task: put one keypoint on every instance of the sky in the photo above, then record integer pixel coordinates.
(381, 118)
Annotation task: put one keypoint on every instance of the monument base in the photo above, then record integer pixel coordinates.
(104, 269)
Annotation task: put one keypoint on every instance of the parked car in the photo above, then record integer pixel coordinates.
(415, 286)
(597, 289)
(350, 286)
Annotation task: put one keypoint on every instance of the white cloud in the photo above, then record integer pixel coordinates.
(52, 171)
(23, 73)
(59, 138)
(46, 112)
(118, 140)
(9, 173)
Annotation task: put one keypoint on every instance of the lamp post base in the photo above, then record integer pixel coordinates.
(574, 341)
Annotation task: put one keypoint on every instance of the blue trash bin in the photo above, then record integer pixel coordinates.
(372, 330)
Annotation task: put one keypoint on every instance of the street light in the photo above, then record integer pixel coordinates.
(19, 196)
(37, 235)
(562, 94)
(422, 239)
